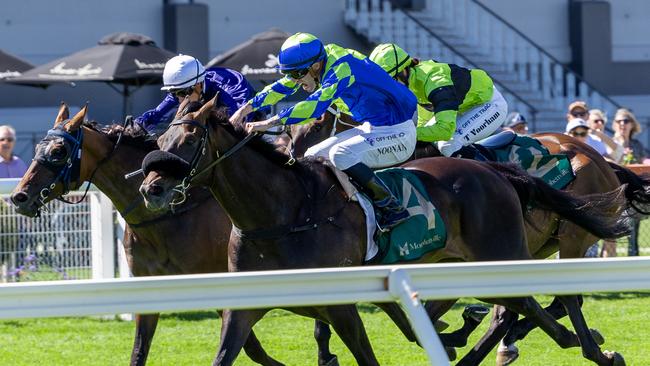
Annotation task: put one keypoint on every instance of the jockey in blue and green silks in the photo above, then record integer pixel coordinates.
(329, 72)
(466, 105)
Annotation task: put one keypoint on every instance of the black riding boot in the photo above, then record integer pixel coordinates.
(390, 209)
(469, 152)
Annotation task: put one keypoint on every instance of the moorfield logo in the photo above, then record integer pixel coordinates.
(9, 74)
(152, 66)
(86, 70)
(270, 64)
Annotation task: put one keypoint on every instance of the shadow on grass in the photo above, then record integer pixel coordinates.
(192, 315)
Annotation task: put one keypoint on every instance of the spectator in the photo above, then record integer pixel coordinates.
(625, 128)
(516, 123)
(578, 128)
(579, 110)
(597, 121)
(11, 166)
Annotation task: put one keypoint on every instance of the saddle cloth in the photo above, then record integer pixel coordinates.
(533, 157)
(421, 233)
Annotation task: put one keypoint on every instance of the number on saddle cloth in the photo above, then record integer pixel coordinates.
(421, 233)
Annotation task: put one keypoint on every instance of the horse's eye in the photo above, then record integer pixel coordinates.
(317, 127)
(58, 153)
(190, 139)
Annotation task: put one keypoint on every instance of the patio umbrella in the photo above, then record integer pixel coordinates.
(256, 58)
(127, 59)
(12, 66)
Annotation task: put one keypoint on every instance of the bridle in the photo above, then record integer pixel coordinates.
(69, 170)
(185, 184)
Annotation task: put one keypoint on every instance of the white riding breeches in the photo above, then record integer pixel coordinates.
(375, 146)
(476, 124)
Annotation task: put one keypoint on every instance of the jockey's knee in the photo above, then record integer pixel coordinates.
(342, 157)
(316, 151)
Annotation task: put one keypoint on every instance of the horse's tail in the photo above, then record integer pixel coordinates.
(600, 214)
(637, 189)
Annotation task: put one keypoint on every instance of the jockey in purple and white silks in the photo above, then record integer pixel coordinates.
(386, 108)
(185, 75)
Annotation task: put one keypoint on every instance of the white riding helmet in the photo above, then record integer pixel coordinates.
(181, 72)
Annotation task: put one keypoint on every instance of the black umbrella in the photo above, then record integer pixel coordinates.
(12, 66)
(121, 58)
(256, 58)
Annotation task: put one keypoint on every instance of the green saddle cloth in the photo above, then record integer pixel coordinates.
(532, 156)
(423, 232)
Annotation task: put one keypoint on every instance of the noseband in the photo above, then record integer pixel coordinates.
(70, 170)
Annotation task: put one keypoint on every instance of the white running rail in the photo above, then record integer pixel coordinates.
(407, 283)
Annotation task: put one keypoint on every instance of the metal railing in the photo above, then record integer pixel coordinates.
(407, 284)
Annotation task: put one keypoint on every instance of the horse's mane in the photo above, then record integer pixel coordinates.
(131, 137)
(219, 117)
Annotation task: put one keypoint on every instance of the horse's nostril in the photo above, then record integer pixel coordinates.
(19, 197)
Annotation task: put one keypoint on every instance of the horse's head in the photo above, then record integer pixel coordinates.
(56, 167)
(169, 170)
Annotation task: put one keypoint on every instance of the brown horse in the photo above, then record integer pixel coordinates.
(178, 243)
(593, 175)
(296, 216)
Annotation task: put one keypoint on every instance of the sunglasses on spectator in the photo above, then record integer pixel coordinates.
(182, 93)
(599, 121)
(295, 74)
(623, 121)
(8, 139)
(582, 133)
(578, 114)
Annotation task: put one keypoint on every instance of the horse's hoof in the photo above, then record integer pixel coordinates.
(451, 353)
(617, 358)
(598, 337)
(334, 361)
(441, 325)
(507, 355)
(476, 312)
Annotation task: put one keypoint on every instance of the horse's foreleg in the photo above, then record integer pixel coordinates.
(145, 327)
(472, 317)
(347, 323)
(322, 334)
(529, 307)
(590, 349)
(256, 352)
(236, 326)
(502, 319)
(523, 326)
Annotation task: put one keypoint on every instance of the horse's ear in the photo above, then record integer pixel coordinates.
(209, 106)
(77, 120)
(181, 108)
(64, 113)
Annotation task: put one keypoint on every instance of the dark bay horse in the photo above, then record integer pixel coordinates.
(155, 244)
(546, 236)
(296, 216)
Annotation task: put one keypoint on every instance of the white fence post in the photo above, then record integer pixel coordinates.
(399, 286)
(103, 241)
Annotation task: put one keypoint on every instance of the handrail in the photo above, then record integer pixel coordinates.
(539, 48)
(446, 44)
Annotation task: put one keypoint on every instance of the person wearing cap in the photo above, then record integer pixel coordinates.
(578, 128)
(185, 75)
(467, 106)
(595, 138)
(386, 109)
(515, 122)
(11, 166)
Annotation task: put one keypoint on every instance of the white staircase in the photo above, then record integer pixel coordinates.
(468, 34)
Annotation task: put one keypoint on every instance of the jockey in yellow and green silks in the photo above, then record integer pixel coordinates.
(384, 107)
(466, 105)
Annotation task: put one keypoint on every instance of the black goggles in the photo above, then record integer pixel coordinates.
(295, 74)
(182, 93)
